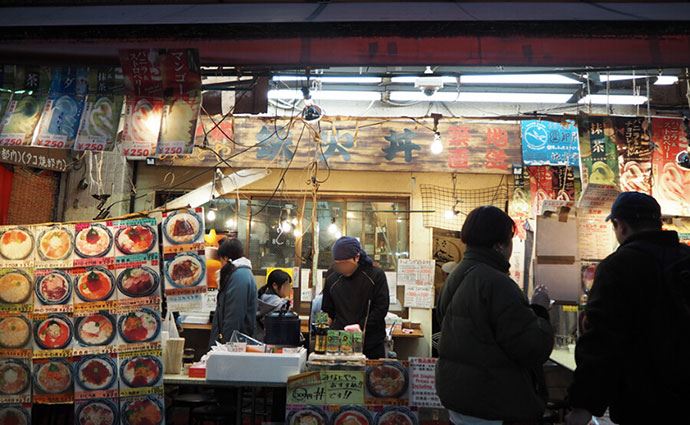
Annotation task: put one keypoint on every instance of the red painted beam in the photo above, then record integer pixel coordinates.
(458, 50)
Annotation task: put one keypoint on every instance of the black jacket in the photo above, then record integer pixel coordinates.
(627, 355)
(493, 345)
(346, 300)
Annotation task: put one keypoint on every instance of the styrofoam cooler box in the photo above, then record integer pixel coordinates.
(254, 367)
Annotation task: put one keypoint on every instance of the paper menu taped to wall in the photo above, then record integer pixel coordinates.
(416, 272)
(423, 378)
(418, 296)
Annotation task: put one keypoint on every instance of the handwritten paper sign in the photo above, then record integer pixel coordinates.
(416, 272)
(550, 143)
(423, 378)
(418, 296)
(392, 279)
(327, 388)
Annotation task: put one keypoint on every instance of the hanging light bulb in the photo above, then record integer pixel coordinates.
(437, 144)
(332, 228)
(449, 215)
(338, 234)
(211, 214)
(297, 233)
(231, 223)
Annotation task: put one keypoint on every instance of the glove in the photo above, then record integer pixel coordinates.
(541, 297)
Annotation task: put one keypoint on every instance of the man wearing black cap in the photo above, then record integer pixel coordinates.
(634, 353)
(356, 293)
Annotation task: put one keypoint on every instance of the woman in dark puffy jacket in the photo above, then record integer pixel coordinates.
(493, 342)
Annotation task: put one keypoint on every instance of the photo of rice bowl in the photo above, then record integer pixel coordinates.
(15, 287)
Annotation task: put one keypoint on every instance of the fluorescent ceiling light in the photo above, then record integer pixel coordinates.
(518, 79)
(326, 95)
(333, 80)
(413, 79)
(617, 77)
(487, 97)
(602, 99)
(499, 79)
(666, 80)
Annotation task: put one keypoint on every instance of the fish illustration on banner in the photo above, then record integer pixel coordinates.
(550, 143)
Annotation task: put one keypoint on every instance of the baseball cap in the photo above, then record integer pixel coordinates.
(635, 206)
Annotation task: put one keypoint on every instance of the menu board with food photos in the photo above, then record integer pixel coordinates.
(184, 264)
(93, 244)
(137, 262)
(16, 413)
(53, 381)
(97, 411)
(80, 319)
(141, 373)
(146, 409)
(387, 382)
(16, 289)
(95, 376)
(16, 246)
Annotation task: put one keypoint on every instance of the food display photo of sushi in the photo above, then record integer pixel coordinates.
(15, 335)
(17, 246)
(94, 284)
(93, 244)
(139, 329)
(15, 289)
(95, 332)
(52, 291)
(95, 376)
(54, 246)
(387, 382)
(97, 411)
(53, 333)
(135, 237)
(142, 410)
(15, 414)
(140, 373)
(52, 381)
(15, 380)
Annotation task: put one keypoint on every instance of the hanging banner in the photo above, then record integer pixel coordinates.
(63, 109)
(6, 88)
(143, 103)
(550, 183)
(102, 111)
(671, 181)
(550, 143)
(634, 154)
(24, 110)
(182, 88)
(598, 151)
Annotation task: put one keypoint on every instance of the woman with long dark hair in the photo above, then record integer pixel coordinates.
(273, 296)
(493, 341)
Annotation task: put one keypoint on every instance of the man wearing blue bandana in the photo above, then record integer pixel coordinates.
(356, 293)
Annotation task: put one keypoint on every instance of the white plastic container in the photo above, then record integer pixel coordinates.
(254, 367)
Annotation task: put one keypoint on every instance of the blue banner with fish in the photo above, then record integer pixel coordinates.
(550, 143)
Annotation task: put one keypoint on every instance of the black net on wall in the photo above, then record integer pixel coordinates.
(451, 206)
